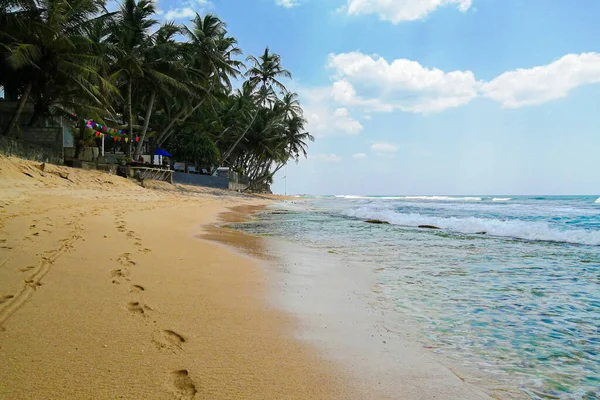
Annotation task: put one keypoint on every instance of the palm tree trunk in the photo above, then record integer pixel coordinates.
(19, 110)
(129, 116)
(138, 148)
(228, 152)
(79, 140)
(167, 131)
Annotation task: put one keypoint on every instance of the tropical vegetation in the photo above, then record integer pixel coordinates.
(185, 88)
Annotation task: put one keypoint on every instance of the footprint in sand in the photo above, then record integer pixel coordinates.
(33, 284)
(173, 337)
(6, 298)
(131, 235)
(119, 274)
(125, 260)
(183, 386)
(137, 308)
(27, 268)
(137, 288)
(169, 340)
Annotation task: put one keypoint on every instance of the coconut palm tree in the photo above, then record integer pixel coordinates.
(210, 56)
(164, 73)
(130, 38)
(46, 48)
(266, 71)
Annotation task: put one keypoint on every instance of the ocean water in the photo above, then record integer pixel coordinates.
(509, 286)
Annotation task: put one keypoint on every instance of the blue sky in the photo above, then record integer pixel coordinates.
(433, 96)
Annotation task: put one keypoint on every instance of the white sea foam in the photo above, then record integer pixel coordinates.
(349, 196)
(502, 199)
(529, 230)
(431, 198)
(597, 200)
(443, 198)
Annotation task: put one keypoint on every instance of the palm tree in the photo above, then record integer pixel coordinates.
(266, 71)
(46, 48)
(72, 57)
(263, 75)
(210, 55)
(163, 73)
(130, 37)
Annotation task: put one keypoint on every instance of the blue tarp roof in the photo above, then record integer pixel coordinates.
(161, 152)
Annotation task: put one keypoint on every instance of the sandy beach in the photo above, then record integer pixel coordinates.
(109, 289)
(107, 292)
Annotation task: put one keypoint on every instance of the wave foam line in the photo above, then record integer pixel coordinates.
(432, 198)
(494, 227)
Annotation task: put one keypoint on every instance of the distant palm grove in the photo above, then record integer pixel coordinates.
(186, 87)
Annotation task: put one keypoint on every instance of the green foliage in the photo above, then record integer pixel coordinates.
(169, 83)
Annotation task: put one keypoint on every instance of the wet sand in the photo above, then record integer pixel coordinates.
(106, 292)
(333, 302)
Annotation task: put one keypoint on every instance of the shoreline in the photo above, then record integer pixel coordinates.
(106, 291)
(337, 306)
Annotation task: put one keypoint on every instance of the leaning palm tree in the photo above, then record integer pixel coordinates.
(262, 76)
(45, 46)
(210, 58)
(164, 73)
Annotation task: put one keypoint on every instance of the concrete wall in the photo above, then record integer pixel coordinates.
(29, 151)
(47, 137)
(238, 187)
(87, 153)
(42, 143)
(201, 180)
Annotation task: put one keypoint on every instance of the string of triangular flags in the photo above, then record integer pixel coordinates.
(115, 134)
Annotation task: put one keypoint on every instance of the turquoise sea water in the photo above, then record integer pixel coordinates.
(509, 285)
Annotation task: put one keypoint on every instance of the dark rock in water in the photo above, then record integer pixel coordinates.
(481, 233)
(429, 226)
(377, 221)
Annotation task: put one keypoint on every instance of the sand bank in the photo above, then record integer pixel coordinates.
(107, 292)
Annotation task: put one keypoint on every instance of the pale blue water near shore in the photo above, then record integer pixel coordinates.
(520, 303)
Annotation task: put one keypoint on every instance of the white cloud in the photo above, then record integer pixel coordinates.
(327, 158)
(323, 119)
(180, 13)
(402, 84)
(401, 10)
(344, 122)
(363, 85)
(384, 148)
(344, 93)
(287, 3)
(359, 156)
(537, 85)
(187, 11)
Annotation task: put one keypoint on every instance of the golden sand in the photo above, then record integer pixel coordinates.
(106, 292)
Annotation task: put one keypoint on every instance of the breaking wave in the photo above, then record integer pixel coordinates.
(501, 199)
(433, 198)
(528, 230)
